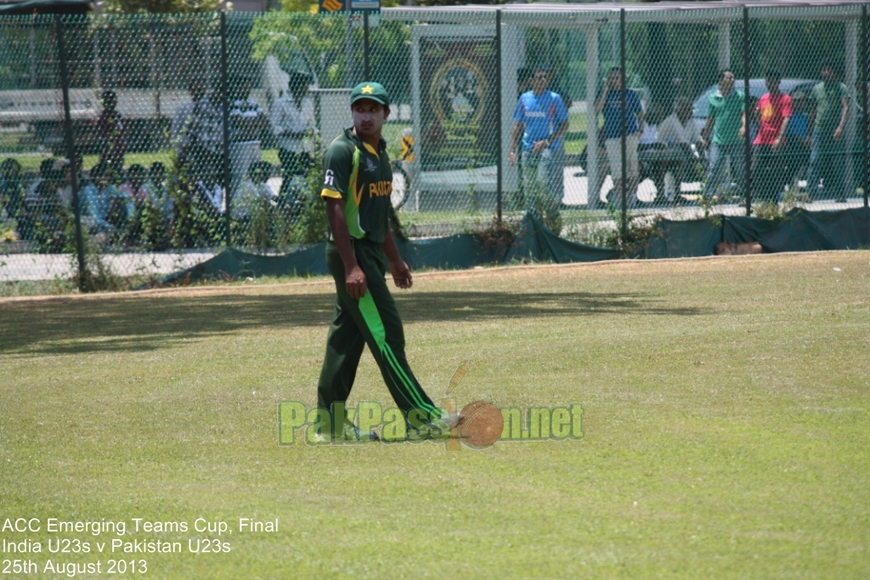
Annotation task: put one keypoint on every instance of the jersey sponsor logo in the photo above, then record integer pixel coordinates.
(370, 166)
(380, 189)
(541, 114)
(329, 178)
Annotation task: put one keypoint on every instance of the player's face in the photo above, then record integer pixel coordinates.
(614, 79)
(726, 83)
(368, 118)
(772, 85)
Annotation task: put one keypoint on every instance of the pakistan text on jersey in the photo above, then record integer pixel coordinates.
(381, 188)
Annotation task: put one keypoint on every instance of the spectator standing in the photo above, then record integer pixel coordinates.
(181, 130)
(11, 189)
(198, 211)
(204, 151)
(774, 110)
(247, 123)
(293, 120)
(726, 119)
(827, 124)
(797, 146)
(110, 129)
(541, 122)
(609, 102)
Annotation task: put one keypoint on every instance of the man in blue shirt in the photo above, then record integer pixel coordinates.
(542, 120)
(609, 102)
(797, 145)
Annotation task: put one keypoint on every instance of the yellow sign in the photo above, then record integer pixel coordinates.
(331, 6)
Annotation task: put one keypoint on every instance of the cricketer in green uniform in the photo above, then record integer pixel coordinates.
(357, 185)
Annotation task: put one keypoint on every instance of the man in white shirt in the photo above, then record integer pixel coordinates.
(293, 123)
(678, 132)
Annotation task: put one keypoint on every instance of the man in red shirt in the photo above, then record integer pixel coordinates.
(768, 160)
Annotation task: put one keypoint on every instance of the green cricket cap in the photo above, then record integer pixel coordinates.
(369, 90)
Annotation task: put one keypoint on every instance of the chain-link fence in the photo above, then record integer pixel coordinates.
(143, 144)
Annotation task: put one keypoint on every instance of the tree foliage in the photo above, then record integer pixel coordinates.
(323, 39)
(159, 6)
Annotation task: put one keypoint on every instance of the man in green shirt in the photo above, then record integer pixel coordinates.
(827, 124)
(727, 121)
(356, 187)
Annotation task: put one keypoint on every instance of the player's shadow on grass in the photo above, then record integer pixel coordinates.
(141, 323)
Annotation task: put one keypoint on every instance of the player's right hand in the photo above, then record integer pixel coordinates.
(355, 283)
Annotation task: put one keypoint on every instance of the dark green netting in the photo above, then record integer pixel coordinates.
(535, 242)
(802, 231)
(798, 231)
(685, 239)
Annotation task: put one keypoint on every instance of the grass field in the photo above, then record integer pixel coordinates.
(725, 420)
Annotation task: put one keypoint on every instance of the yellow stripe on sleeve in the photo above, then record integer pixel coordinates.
(330, 194)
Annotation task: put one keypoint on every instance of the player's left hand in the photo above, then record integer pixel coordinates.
(401, 274)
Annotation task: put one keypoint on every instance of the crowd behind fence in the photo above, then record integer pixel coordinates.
(171, 136)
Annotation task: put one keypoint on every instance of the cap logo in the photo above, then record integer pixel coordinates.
(368, 89)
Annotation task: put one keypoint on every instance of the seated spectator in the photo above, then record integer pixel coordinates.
(255, 192)
(45, 169)
(209, 207)
(64, 185)
(158, 193)
(134, 190)
(45, 213)
(677, 134)
(134, 186)
(106, 207)
(649, 134)
(210, 195)
(651, 165)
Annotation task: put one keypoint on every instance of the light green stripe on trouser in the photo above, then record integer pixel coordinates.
(372, 320)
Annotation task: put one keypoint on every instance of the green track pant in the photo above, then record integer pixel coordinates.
(371, 320)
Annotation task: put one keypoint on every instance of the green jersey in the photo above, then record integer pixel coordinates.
(829, 104)
(363, 179)
(727, 113)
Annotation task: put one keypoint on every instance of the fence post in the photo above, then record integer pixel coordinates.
(366, 70)
(225, 111)
(71, 152)
(498, 137)
(747, 148)
(624, 121)
(865, 127)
